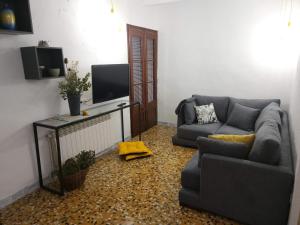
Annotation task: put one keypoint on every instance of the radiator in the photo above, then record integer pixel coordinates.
(94, 134)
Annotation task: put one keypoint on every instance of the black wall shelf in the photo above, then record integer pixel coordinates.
(38, 60)
(22, 13)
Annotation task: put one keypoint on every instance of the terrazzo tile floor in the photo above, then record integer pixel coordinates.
(143, 191)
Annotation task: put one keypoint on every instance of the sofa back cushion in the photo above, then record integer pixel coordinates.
(266, 147)
(271, 112)
(220, 104)
(243, 117)
(253, 103)
(220, 147)
(189, 112)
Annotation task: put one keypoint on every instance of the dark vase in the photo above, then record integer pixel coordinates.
(74, 104)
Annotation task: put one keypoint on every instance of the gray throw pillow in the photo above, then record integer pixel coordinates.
(189, 113)
(266, 147)
(243, 117)
(271, 112)
(224, 148)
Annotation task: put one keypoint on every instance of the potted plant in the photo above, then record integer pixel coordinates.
(85, 159)
(72, 87)
(76, 168)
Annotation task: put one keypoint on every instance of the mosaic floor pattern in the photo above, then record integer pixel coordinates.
(142, 191)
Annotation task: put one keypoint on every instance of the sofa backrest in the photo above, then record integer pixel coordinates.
(253, 103)
(220, 104)
(286, 156)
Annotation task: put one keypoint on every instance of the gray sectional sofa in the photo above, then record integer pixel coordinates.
(252, 187)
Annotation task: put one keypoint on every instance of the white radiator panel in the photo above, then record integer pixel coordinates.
(95, 134)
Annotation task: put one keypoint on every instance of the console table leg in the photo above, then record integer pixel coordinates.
(122, 124)
(60, 173)
(37, 149)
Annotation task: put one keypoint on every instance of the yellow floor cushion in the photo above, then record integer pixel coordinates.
(246, 139)
(134, 156)
(132, 150)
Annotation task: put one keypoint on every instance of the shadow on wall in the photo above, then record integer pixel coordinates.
(10, 142)
(11, 62)
(19, 141)
(295, 136)
(294, 114)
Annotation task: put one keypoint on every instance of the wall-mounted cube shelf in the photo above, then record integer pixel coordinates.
(38, 61)
(22, 13)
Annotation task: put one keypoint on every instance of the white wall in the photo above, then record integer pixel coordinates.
(88, 33)
(235, 48)
(232, 48)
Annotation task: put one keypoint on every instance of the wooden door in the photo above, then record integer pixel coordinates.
(142, 56)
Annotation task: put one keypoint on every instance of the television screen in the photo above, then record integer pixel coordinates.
(110, 82)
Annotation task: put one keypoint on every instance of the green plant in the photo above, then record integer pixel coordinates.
(70, 167)
(73, 85)
(85, 159)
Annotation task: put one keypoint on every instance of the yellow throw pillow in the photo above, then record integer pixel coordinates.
(246, 139)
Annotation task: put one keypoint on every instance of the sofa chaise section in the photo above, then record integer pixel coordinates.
(240, 188)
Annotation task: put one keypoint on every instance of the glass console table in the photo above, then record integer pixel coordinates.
(58, 122)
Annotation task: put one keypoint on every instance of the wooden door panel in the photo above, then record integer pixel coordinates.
(142, 57)
(151, 114)
(136, 59)
(151, 70)
(135, 120)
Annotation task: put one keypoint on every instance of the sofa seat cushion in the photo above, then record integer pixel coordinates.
(190, 175)
(191, 132)
(226, 129)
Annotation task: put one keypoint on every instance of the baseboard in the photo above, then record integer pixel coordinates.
(33, 187)
(25, 191)
(166, 124)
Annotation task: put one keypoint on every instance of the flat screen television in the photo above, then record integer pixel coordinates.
(110, 82)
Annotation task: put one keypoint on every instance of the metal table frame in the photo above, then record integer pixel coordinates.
(57, 128)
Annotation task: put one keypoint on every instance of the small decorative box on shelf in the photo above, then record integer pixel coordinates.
(15, 17)
(43, 62)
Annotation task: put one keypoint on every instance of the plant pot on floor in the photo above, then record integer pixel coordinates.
(75, 180)
(74, 104)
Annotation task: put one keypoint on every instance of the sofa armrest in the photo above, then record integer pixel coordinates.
(245, 190)
(179, 111)
(223, 148)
